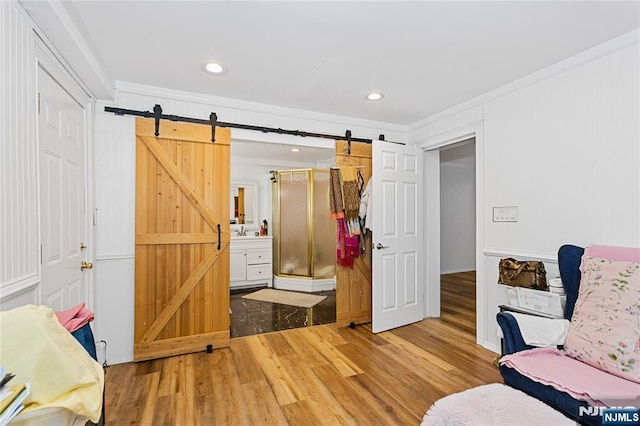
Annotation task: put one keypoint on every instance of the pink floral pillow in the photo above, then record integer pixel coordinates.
(605, 326)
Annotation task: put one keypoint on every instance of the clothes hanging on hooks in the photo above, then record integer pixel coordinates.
(344, 198)
(360, 183)
(347, 246)
(350, 194)
(336, 205)
(366, 207)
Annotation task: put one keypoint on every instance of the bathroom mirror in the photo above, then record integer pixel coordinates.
(244, 202)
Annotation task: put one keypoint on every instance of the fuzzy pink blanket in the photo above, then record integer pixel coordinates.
(551, 367)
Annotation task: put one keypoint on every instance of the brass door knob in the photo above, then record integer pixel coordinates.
(86, 265)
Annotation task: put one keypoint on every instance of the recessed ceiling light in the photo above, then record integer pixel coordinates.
(375, 96)
(214, 68)
(295, 149)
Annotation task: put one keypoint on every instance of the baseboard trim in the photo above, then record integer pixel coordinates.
(490, 346)
(457, 271)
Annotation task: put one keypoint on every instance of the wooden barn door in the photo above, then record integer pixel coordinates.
(182, 239)
(353, 286)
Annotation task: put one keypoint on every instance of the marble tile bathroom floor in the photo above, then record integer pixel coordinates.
(249, 317)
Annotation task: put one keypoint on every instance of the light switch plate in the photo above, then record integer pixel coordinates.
(505, 214)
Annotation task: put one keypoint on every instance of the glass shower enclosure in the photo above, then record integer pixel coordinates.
(304, 235)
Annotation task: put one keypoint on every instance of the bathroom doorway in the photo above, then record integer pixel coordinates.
(263, 308)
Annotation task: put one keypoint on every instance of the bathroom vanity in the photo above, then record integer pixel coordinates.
(251, 261)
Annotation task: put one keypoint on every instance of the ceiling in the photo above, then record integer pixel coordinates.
(425, 56)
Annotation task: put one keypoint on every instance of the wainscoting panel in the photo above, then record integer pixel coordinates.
(496, 293)
(19, 251)
(114, 315)
(115, 177)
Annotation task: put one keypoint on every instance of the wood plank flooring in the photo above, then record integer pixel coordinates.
(321, 375)
(458, 300)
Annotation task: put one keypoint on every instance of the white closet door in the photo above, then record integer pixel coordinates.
(62, 195)
(398, 252)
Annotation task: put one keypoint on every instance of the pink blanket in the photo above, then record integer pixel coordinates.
(75, 318)
(551, 367)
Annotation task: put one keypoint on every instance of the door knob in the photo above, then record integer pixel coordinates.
(86, 265)
(380, 246)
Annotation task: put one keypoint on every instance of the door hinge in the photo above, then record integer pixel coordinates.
(41, 254)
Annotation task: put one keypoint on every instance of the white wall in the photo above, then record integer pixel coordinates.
(562, 145)
(19, 220)
(115, 183)
(457, 217)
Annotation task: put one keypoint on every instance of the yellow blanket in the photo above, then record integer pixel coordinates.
(38, 349)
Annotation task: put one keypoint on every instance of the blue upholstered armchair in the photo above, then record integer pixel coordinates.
(569, 258)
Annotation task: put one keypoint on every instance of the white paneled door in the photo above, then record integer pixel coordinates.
(398, 247)
(62, 195)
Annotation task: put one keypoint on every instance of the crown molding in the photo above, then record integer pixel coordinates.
(596, 52)
(76, 56)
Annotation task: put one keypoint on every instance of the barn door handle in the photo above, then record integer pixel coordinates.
(219, 241)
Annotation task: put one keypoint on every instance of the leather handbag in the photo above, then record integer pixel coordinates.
(528, 274)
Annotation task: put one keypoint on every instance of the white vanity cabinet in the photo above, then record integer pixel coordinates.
(251, 262)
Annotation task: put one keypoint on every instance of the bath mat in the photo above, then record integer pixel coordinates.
(291, 298)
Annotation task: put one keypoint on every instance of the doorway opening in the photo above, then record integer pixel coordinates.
(458, 235)
(259, 304)
(432, 147)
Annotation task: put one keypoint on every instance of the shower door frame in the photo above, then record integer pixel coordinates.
(310, 225)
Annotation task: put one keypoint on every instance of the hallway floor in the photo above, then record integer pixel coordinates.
(458, 300)
(249, 317)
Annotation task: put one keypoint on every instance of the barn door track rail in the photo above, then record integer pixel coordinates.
(157, 115)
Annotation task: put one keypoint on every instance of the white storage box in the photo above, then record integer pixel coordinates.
(541, 301)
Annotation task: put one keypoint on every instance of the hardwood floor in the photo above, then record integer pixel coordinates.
(458, 300)
(309, 376)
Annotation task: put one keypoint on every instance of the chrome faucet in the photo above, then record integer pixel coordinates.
(242, 232)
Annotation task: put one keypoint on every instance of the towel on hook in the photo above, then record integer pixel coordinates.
(335, 194)
(350, 193)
